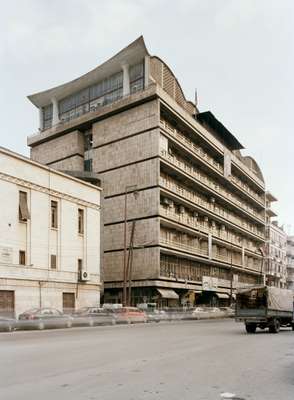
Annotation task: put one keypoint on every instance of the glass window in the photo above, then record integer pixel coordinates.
(54, 214)
(53, 261)
(81, 221)
(136, 72)
(47, 116)
(88, 165)
(136, 86)
(22, 257)
(23, 210)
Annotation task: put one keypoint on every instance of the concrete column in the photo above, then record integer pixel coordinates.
(55, 116)
(126, 80)
(146, 71)
(40, 118)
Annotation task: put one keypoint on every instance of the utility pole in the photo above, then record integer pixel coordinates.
(130, 262)
(125, 253)
(128, 189)
(231, 285)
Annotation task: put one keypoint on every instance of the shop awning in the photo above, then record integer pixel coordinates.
(168, 294)
(223, 295)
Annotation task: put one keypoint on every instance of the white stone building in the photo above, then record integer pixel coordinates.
(49, 238)
(290, 262)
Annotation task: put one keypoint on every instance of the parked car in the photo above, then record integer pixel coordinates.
(229, 311)
(7, 324)
(42, 318)
(129, 315)
(153, 315)
(92, 316)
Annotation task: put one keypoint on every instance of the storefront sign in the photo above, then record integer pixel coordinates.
(209, 283)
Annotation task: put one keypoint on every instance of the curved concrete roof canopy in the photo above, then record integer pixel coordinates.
(131, 54)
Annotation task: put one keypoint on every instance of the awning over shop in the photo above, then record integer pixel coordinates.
(223, 295)
(168, 294)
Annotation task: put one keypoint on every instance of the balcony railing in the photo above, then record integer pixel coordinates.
(194, 222)
(196, 198)
(251, 263)
(199, 152)
(207, 181)
(184, 246)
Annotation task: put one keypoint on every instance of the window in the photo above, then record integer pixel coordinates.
(54, 216)
(88, 165)
(47, 116)
(81, 221)
(53, 261)
(22, 257)
(88, 140)
(23, 210)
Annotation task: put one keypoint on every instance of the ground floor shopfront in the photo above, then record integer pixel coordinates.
(173, 296)
(17, 296)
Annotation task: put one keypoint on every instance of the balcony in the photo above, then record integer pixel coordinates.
(200, 153)
(184, 247)
(193, 222)
(211, 184)
(235, 259)
(197, 150)
(199, 200)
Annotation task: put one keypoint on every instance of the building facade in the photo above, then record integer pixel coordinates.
(195, 205)
(276, 263)
(290, 262)
(49, 238)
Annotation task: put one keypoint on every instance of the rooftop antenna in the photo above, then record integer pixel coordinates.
(196, 103)
(196, 98)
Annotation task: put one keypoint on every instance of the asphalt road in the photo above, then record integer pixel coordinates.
(171, 361)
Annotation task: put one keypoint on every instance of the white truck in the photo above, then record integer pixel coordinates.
(264, 307)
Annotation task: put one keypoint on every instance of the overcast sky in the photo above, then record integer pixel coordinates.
(237, 53)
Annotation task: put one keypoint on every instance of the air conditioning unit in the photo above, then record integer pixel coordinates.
(84, 276)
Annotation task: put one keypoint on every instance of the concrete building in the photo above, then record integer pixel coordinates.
(290, 262)
(275, 248)
(200, 204)
(49, 238)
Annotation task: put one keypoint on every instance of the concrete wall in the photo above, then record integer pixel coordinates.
(127, 151)
(144, 174)
(145, 264)
(126, 123)
(64, 146)
(74, 163)
(146, 205)
(146, 233)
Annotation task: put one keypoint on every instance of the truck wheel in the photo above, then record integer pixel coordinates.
(274, 327)
(250, 328)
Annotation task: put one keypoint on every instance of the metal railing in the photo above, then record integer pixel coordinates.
(199, 152)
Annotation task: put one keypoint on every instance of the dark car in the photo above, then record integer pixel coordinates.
(42, 318)
(93, 316)
(7, 324)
